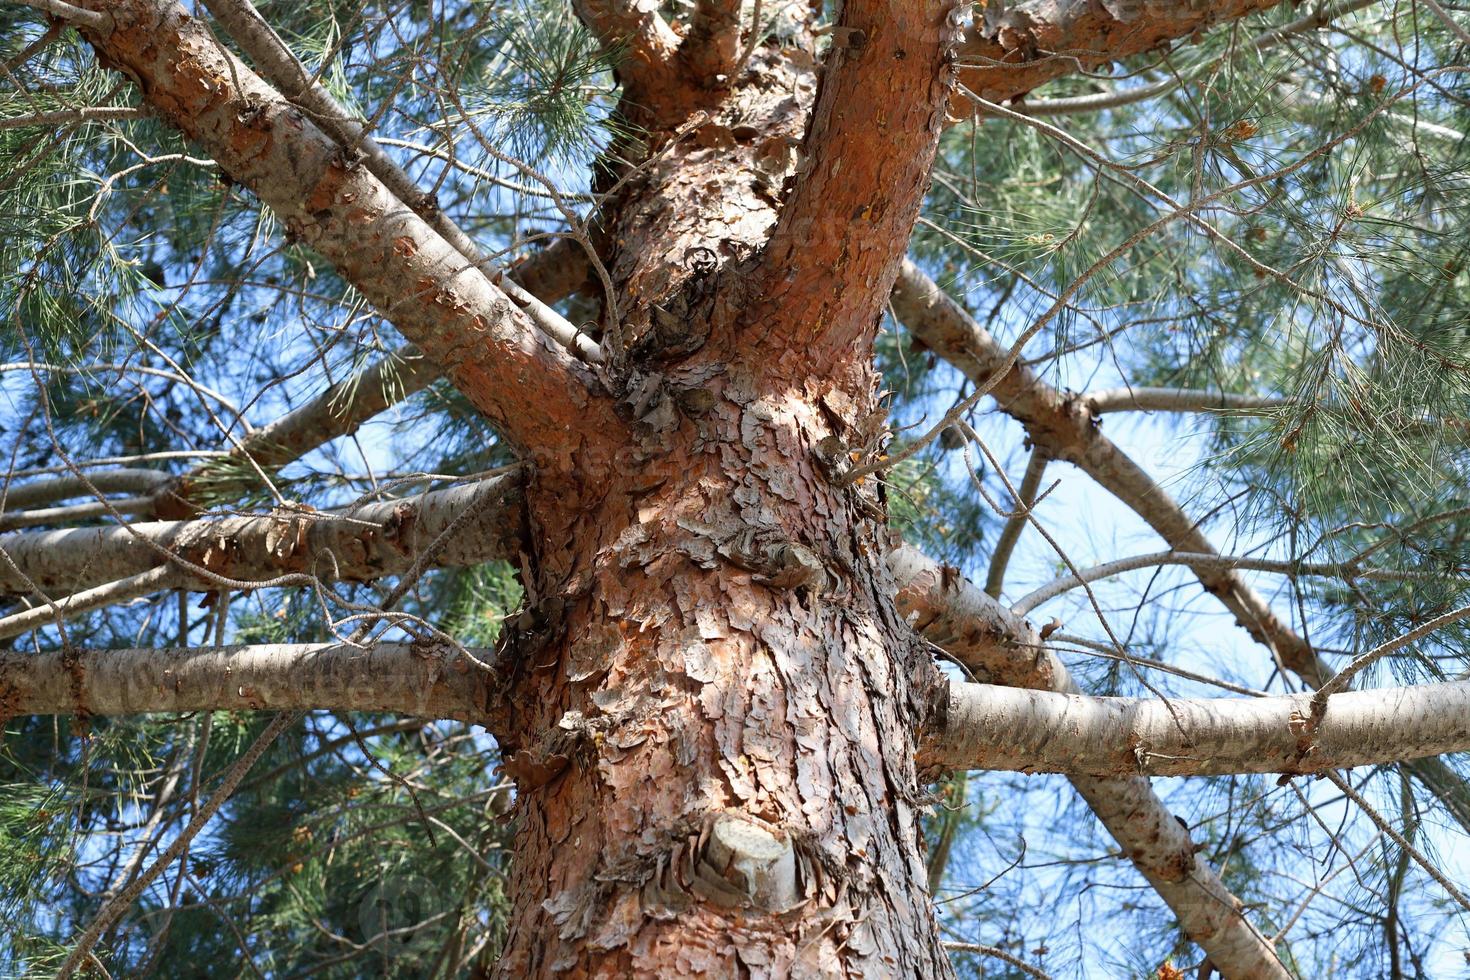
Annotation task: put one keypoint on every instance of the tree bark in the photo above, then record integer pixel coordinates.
(1198, 736)
(356, 544)
(1017, 47)
(710, 720)
(424, 680)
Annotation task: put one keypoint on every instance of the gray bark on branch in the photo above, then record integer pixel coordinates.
(1062, 427)
(529, 386)
(361, 543)
(422, 680)
(990, 727)
(977, 631)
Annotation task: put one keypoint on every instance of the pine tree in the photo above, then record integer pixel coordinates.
(574, 489)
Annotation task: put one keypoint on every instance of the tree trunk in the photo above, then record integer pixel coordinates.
(712, 707)
(710, 719)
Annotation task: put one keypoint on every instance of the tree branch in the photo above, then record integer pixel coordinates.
(1021, 46)
(1343, 570)
(422, 680)
(361, 543)
(832, 258)
(290, 76)
(62, 117)
(711, 48)
(1063, 427)
(1178, 400)
(339, 410)
(1016, 523)
(550, 274)
(990, 727)
(91, 19)
(1316, 20)
(42, 492)
(531, 388)
(974, 629)
(50, 611)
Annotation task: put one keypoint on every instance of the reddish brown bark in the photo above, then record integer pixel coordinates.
(712, 724)
(1018, 47)
(714, 641)
(870, 144)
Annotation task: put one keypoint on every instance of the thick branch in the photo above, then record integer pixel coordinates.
(1034, 731)
(1063, 427)
(834, 253)
(412, 679)
(290, 76)
(645, 40)
(974, 629)
(1317, 19)
(359, 544)
(1020, 46)
(711, 48)
(528, 385)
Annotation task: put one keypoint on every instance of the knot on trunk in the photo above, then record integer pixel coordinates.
(744, 863)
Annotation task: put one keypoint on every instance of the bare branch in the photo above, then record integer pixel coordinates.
(49, 612)
(990, 727)
(282, 69)
(1178, 400)
(451, 311)
(41, 492)
(1344, 677)
(71, 513)
(972, 627)
(1000, 954)
(1345, 570)
(90, 19)
(82, 947)
(1025, 45)
(63, 117)
(1062, 426)
(357, 544)
(550, 274)
(1454, 28)
(337, 411)
(1398, 839)
(416, 679)
(1015, 524)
